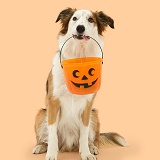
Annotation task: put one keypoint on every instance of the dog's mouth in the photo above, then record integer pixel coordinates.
(80, 37)
(84, 85)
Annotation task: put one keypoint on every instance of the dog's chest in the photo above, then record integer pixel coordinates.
(71, 110)
(69, 124)
(72, 106)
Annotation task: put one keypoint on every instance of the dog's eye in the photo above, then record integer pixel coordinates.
(90, 20)
(74, 18)
(90, 72)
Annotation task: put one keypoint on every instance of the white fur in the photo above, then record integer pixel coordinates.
(52, 150)
(71, 130)
(83, 141)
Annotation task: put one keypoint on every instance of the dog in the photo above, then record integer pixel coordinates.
(69, 123)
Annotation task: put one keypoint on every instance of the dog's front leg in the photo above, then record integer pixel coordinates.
(53, 116)
(84, 134)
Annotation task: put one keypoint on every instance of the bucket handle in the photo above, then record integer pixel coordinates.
(74, 37)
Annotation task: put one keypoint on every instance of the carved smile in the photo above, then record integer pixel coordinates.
(84, 85)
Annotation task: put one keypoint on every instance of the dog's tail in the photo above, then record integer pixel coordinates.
(111, 139)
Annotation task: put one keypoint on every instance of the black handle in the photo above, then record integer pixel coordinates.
(74, 37)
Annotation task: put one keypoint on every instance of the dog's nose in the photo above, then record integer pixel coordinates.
(80, 28)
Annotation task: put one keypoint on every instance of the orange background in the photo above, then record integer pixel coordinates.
(129, 99)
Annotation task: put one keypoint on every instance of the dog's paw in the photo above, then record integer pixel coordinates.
(93, 150)
(89, 157)
(51, 157)
(39, 149)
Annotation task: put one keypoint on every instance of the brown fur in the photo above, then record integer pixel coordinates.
(52, 110)
(96, 126)
(64, 17)
(86, 113)
(49, 85)
(102, 21)
(38, 121)
(110, 139)
(52, 104)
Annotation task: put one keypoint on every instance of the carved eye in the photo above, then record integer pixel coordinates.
(90, 20)
(90, 72)
(75, 73)
(74, 18)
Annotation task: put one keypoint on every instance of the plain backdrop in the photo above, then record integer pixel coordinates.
(129, 98)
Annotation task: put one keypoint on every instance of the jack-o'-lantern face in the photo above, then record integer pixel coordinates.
(86, 80)
(83, 76)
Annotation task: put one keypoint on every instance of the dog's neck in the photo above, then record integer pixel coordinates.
(75, 48)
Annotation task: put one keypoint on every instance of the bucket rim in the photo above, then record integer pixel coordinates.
(71, 61)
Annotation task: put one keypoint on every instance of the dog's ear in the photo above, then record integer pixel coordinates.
(65, 15)
(103, 21)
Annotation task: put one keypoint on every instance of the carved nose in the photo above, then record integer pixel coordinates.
(84, 78)
(80, 28)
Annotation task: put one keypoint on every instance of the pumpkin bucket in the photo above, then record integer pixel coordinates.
(82, 75)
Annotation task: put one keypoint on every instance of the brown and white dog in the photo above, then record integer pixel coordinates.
(69, 123)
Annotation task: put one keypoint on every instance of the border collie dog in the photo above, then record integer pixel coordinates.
(69, 123)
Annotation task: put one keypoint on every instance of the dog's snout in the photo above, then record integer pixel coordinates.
(80, 28)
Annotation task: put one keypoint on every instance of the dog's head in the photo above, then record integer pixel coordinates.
(83, 22)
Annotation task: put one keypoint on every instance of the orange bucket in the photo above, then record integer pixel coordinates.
(82, 75)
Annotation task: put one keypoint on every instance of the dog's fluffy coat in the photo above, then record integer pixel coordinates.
(69, 123)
